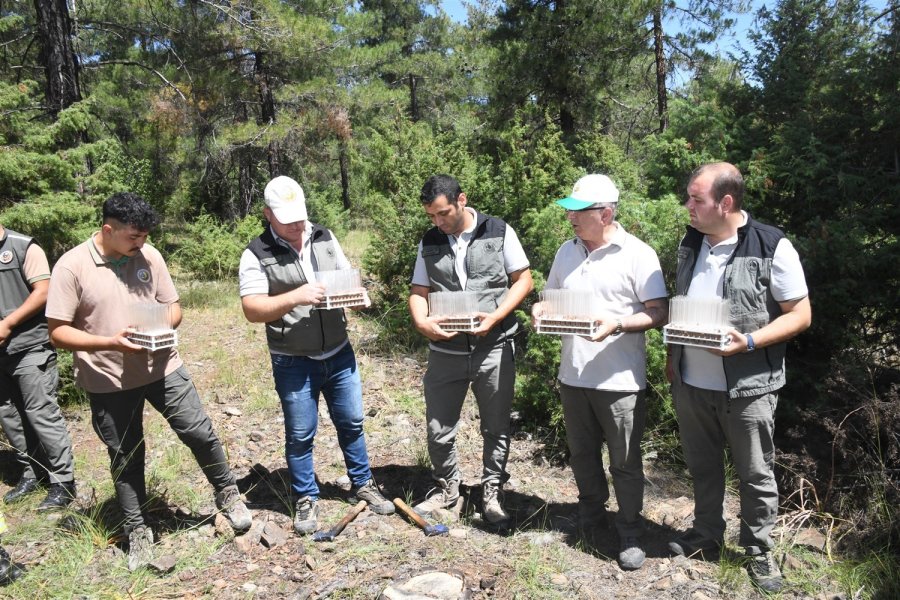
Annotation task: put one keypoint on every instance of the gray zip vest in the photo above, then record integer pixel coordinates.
(14, 290)
(304, 331)
(487, 276)
(748, 275)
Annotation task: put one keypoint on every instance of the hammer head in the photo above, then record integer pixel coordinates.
(436, 530)
(323, 536)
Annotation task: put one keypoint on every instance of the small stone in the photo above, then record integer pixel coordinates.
(252, 567)
(372, 412)
(249, 587)
(343, 481)
(163, 564)
(232, 411)
(245, 543)
(664, 583)
(278, 570)
(559, 580)
(811, 538)
(273, 535)
(187, 575)
(429, 585)
(256, 436)
(680, 578)
(222, 526)
(459, 533)
(219, 584)
(310, 563)
(487, 583)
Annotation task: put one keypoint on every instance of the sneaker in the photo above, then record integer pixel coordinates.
(140, 547)
(25, 486)
(9, 571)
(229, 502)
(764, 572)
(444, 496)
(693, 544)
(59, 496)
(490, 504)
(372, 495)
(631, 555)
(306, 514)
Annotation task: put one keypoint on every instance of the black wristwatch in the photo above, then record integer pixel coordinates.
(751, 346)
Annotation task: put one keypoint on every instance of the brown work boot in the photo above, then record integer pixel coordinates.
(443, 496)
(491, 508)
(232, 506)
(372, 495)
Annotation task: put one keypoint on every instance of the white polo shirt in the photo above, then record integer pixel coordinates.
(623, 275)
(514, 258)
(701, 368)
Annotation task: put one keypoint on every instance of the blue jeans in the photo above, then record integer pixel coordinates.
(298, 381)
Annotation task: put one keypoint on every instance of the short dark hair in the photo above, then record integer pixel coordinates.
(440, 185)
(130, 209)
(727, 181)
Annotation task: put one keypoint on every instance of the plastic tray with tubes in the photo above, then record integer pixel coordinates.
(696, 335)
(462, 324)
(558, 325)
(346, 299)
(154, 340)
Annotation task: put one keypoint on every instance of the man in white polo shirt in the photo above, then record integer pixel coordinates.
(603, 379)
(729, 396)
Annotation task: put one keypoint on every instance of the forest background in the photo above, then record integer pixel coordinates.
(196, 104)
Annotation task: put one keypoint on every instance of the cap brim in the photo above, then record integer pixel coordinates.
(574, 204)
(286, 215)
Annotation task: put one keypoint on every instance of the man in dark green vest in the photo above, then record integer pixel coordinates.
(29, 412)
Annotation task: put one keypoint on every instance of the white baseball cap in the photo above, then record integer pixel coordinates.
(285, 197)
(590, 190)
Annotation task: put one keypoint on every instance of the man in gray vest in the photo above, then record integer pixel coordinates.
(29, 412)
(468, 251)
(729, 396)
(311, 353)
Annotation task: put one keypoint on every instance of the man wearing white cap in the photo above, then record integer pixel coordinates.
(311, 353)
(603, 378)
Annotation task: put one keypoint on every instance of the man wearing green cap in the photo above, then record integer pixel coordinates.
(603, 378)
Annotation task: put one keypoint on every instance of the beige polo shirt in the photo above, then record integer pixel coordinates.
(95, 295)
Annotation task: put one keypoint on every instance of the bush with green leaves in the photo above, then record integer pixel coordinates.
(58, 222)
(211, 249)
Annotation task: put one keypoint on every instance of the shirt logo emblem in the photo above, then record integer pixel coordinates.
(143, 275)
(6, 257)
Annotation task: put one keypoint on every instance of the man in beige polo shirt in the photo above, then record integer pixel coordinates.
(92, 290)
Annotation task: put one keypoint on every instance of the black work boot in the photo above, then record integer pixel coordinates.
(58, 497)
(9, 571)
(25, 486)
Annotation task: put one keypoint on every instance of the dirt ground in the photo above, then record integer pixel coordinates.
(539, 556)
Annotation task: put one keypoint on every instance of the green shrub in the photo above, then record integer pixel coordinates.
(68, 393)
(210, 249)
(58, 222)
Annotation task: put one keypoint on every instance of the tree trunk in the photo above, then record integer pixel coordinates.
(266, 99)
(344, 160)
(57, 54)
(662, 103)
(413, 98)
